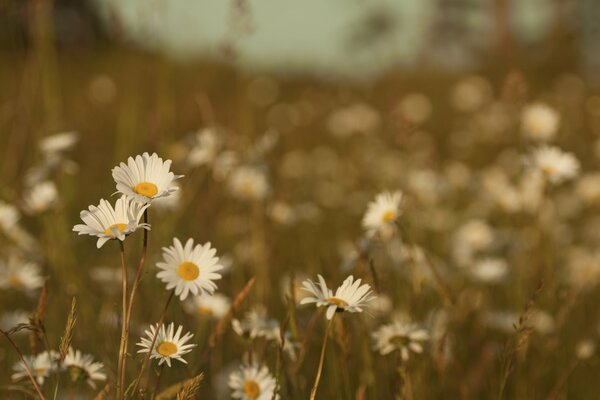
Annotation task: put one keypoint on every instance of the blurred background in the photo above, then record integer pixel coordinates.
(327, 103)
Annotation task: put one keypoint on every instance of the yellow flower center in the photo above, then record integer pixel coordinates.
(248, 188)
(188, 271)
(549, 170)
(146, 189)
(251, 389)
(338, 302)
(15, 280)
(166, 349)
(120, 227)
(205, 311)
(389, 216)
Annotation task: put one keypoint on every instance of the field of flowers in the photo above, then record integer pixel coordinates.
(179, 232)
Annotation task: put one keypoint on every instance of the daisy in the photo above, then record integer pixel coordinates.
(58, 143)
(20, 275)
(145, 178)
(401, 336)
(554, 164)
(255, 324)
(82, 367)
(252, 383)
(206, 147)
(107, 222)
(539, 121)
(490, 270)
(12, 319)
(189, 268)
(382, 213)
(40, 197)
(9, 216)
(169, 344)
(248, 183)
(211, 306)
(351, 296)
(41, 366)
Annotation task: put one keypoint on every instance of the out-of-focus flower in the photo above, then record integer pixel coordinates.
(401, 336)
(539, 121)
(470, 94)
(585, 349)
(82, 367)
(40, 197)
(415, 108)
(471, 238)
(554, 164)
(9, 216)
(252, 383)
(588, 188)
(205, 148)
(489, 270)
(17, 274)
(211, 306)
(382, 213)
(248, 183)
(41, 366)
(583, 268)
(355, 118)
(59, 143)
(11, 319)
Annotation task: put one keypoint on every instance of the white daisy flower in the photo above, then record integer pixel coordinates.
(107, 222)
(41, 366)
(401, 336)
(58, 143)
(82, 367)
(351, 296)
(189, 268)
(554, 164)
(490, 270)
(13, 318)
(539, 121)
(255, 323)
(9, 216)
(206, 147)
(169, 344)
(382, 213)
(145, 178)
(40, 197)
(252, 383)
(248, 183)
(17, 274)
(211, 306)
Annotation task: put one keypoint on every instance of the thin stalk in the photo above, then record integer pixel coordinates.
(147, 357)
(313, 392)
(122, 350)
(27, 369)
(134, 285)
(157, 383)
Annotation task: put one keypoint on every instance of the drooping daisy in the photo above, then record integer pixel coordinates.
(382, 213)
(169, 344)
(401, 336)
(82, 367)
(351, 296)
(189, 268)
(252, 383)
(211, 306)
(539, 121)
(17, 274)
(145, 178)
(107, 222)
(554, 164)
(41, 366)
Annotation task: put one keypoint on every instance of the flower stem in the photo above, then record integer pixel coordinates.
(313, 392)
(134, 285)
(27, 369)
(122, 347)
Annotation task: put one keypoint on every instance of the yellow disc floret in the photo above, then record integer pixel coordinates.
(166, 349)
(120, 227)
(147, 189)
(188, 271)
(251, 389)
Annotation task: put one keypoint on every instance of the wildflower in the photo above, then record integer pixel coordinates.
(539, 121)
(254, 324)
(252, 383)
(489, 270)
(40, 197)
(351, 296)
(145, 178)
(82, 367)
(248, 183)
(554, 164)
(9, 216)
(14, 318)
(189, 268)
(169, 344)
(107, 222)
(212, 306)
(59, 143)
(382, 213)
(205, 148)
(41, 366)
(401, 336)
(17, 274)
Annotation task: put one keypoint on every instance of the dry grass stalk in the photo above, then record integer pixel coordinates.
(184, 390)
(103, 394)
(27, 368)
(67, 337)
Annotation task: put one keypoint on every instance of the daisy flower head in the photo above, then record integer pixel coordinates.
(169, 344)
(252, 382)
(82, 367)
(351, 296)
(145, 177)
(189, 268)
(41, 366)
(40, 197)
(382, 213)
(248, 183)
(22, 275)
(554, 164)
(108, 223)
(539, 121)
(209, 306)
(401, 336)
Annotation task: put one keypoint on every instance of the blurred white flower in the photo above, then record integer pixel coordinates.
(82, 367)
(205, 147)
(539, 122)
(489, 270)
(400, 336)
(554, 164)
(21, 275)
(248, 183)
(40, 197)
(382, 213)
(211, 306)
(252, 383)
